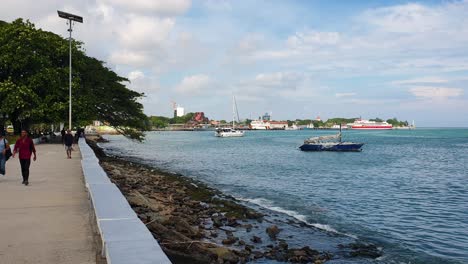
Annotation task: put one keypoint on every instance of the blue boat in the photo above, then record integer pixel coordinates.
(330, 143)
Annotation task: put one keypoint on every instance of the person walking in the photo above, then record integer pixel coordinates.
(68, 142)
(4, 146)
(63, 134)
(25, 146)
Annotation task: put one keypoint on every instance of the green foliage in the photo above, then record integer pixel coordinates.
(34, 83)
(182, 119)
(304, 122)
(159, 121)
(338, 120)
(376, 119)
(394, 122)
(162, 121)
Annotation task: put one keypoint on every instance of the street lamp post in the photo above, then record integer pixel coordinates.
(70, 18)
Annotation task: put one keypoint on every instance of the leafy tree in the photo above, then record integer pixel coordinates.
(34, 83)
(394, 122)
(159, 121)
(338, 120)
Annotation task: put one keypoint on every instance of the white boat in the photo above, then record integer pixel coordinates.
(228, 131)
(259, 125)
(363, 124)
(293, 127)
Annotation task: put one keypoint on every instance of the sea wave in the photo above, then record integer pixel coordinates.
(268, 204)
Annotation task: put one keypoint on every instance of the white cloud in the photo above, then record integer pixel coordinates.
(421, 80)
(282, 80)
(145, 32)
(140, 82)
(339, 95)
(218, 5)
(405, 18)
(435, 92)
(155, 7)
(135, 75)
(194, 85)
(130, 58)
(313, 38)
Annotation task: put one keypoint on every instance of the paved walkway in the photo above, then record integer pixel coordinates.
(49, 220)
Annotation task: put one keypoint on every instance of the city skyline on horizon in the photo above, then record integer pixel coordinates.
(294, 59)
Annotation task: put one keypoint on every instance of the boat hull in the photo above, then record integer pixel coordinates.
(230, 134)
(345, 146)
(371, 127)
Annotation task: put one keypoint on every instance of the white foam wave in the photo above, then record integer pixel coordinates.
(269, 205)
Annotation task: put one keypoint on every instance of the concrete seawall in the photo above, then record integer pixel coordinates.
(124, 238)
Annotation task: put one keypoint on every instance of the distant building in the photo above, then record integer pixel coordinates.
(278, 125)
(199, 117)
(267, 125)
(266, 117)
(179, 111)
(318, 119)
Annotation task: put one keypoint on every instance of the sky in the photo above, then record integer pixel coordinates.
(292, 59)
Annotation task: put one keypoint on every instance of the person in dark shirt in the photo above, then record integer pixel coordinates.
(63, 134)
(25, 146)
(68, 142)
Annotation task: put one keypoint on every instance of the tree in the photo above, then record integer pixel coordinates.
(34, 82)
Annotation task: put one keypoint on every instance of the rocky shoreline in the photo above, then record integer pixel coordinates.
(198, 224)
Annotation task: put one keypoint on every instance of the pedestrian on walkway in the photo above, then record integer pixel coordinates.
(25, 146)
(4, 146)
(63, 134)
(68, 142)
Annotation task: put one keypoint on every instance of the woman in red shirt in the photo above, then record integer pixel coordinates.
(25, 146)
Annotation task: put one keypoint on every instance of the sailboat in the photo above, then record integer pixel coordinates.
(330, 143)
(230, 131)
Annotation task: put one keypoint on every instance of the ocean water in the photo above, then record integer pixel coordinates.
(407, 191)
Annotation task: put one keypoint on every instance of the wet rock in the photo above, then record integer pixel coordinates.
(184, 227)
(250, 214)
(228, 228)
(257, 254)
(232, 222)
(256, 239)
(272, 231)
(364, 250)
(229, 240)
(283, 245)
(225, 255)
(249, 247)
(248, 227)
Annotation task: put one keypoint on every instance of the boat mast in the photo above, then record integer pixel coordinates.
(237, 110)
(233, 111)
(340, 133)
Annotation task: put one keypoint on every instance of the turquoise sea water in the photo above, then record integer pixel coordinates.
(407, 191)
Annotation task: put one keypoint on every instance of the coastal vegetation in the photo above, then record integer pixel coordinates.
(396, 123)
(162, 121)
(34, 83)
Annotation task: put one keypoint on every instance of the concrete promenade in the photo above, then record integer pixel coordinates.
(49, 220)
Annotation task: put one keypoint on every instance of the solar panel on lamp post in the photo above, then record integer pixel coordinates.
(70, 18)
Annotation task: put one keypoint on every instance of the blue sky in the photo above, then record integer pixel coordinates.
(295, 59)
